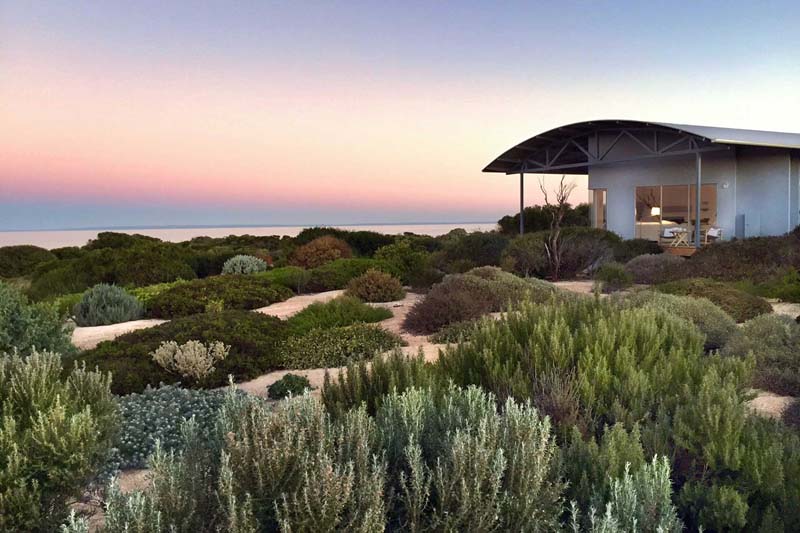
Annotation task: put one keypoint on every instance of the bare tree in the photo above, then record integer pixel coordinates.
(554, 243)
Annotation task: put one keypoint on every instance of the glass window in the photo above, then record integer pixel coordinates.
(648, 212)
(708, 205)
(659, 207)
(597, 198)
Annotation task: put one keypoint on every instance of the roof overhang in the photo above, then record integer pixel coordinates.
(574, 148)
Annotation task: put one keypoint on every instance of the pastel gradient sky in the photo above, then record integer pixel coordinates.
(168, 113)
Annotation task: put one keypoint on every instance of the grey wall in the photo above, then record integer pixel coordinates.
(766, 196)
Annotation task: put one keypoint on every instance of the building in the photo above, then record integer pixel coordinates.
(654, 180)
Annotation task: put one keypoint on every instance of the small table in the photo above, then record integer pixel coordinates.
(679, 236)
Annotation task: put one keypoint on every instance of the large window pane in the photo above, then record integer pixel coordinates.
(708, 205)
(675, 208)
(597, 198)
(648, 212)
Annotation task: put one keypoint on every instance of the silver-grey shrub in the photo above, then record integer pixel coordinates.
(106, 304)
(655, 268)
(244, 264)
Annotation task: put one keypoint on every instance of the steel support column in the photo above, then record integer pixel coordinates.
(697, 206)
(521, 202)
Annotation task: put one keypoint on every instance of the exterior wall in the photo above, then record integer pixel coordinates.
(622, 179)
(767, 194)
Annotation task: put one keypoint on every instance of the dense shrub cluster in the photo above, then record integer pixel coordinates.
(467, 296)
(291, 277)
(655, 268)
(376, 286)
(244, 264)
(320, 251)
(462, 251)
(192, 360)
(235, 291)
(526, 255)
(362, 242)
(410, 262)
(455, 332)
(337, 274)
(106, 304)
(626, 250)
(754, 258)
(612, 277)
(254, 339)
(784, 285)
(538, 217)
(289, 385)
(147, 293)
(739, 304)
(156, 415)
(774, 340)
(55, 436)
(333, 347)
(336, 313)
(25, 326)
(20, 260)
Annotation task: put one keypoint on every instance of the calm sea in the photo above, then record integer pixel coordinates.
(56, 239)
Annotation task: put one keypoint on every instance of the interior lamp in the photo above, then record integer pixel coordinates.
(655, 211)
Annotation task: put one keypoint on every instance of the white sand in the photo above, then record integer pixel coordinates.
(88, 337)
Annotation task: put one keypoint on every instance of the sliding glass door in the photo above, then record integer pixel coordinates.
(597, 201)
(659, 207)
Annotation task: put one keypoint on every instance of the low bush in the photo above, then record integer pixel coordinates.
(363, 242)
(338, 312)
(54, 439)
(376, 286)
(774, 340)
(333, 347)
(147, 293)
(424, 279)
(784, 286)
(739, 304)
(106, 304)
(474, 249)
(337, 274)
(21, 260)
(25, 326)
(656, 268)
(585, 249)
(288, 385)
(468, 296)
(715, 324)
(753, 258)
(65, 304)
(320, 251)
(626, 250)
(455, 332)
(291, 277)
(192, 360)
(526, 255)
(612, 277)
(409, 261)
(235, 291)
(538, 217)
(244, 264)
(254, 339)
(156, 415)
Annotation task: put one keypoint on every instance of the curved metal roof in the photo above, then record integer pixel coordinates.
(577, 156)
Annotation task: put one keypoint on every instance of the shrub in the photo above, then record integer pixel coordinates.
(294, 468)
(376, 286)
(236, 291)
(320, 251)
(462, 297)
(455, 332)
(775, 342)
(626, 250)
(157, 415)
(410, 262)
(538, 217)
(333, 347)
(20, 260)
(655, 268)
(585, 249)
(784, 286)
(424, 279)
(363, 242)
(526, 255)
(192, 360)
(244, 264)
(65, 305)
(25, 326)
(288, 385)
(55, 437)
(147, 293)
(715, 324)
(337, 274)
(106, 304)
(254, 338)
(476, 249)
(739, 304)
(291, 277)
(741, 259)
(612, 277)
(338, 312)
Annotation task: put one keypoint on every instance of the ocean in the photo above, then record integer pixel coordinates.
(59, 238)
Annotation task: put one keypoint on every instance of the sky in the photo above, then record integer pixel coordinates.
(153, 113)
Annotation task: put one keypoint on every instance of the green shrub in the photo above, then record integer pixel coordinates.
(526, 255)
(288, 385)
(626, 250)
(20, 260)
(455, 332)
(65, 304)
(774, 340)
(715, 324)
(656, 268)
(754, 258)
(156, 415)
(739, 304)
(424, 279)
(147, 293)
(338, 312)
(475, 249)
(538, 217)
(468, 296)
(337, 274)
(294, 468)
(115, 240)
(291, 277)
(612, 277)
(409, 261)
(106, 304)
(333, 347)
(585, 249)
(244, 264)
(236, 291)
(784, 286)
(376, 286)
(54, 438)
(320, 251)
(25, 326)
(255, 340)
(363, 242)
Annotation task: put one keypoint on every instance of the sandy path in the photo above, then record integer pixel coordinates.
(87, 338)
(295, 304)
(770, 404)
(785, 308)
(579, 286)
